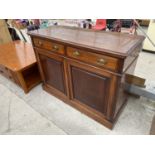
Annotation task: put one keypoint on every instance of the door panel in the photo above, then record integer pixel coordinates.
(89, 87)
(53, 72)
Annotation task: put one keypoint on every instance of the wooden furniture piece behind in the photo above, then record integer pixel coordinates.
(144, 22)
(86, 68)
(152, 130)
(18, 63)
(4, 32)
(151, 33)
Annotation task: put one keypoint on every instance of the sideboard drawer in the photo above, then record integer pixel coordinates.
(5, 72)
(48, 45)
(93, 58)
(2, 69)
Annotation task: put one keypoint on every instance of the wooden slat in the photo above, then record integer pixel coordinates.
(132, 79)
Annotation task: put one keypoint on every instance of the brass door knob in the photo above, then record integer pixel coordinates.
(55, 47)
(76, 53)
(101, 61)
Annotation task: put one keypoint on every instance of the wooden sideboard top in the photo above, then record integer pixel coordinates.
(114, 43)
(17, 55)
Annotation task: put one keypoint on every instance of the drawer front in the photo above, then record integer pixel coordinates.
(5, 72)
(48, 45)
(93, 58)
(2, 69)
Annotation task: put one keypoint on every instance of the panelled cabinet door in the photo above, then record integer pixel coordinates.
(53, 72)
(89, 86)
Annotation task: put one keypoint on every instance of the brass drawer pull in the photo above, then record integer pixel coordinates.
(101, 61)
(76, 53)
(55, 48)
(40, 43)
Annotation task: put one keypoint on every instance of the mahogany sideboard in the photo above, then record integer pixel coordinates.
(18, 64)
(86, 68)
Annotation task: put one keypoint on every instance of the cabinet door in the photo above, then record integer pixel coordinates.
(53, 71)
(90, 86)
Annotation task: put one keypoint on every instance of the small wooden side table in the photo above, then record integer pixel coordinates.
(18, 63)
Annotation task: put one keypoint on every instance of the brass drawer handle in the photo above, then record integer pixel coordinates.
(101, 61)
(55, 48)
(76, 53)
(40, 43)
